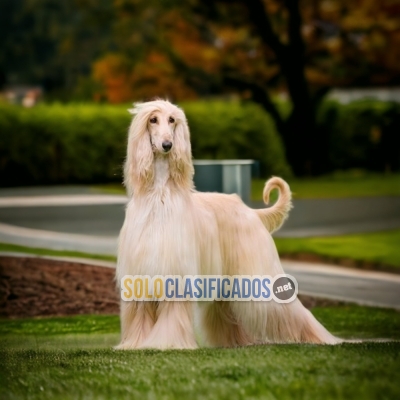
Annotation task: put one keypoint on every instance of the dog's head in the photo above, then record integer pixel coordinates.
(161, 119)
(158, 129)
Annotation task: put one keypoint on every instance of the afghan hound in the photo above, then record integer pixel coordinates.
(171, 229)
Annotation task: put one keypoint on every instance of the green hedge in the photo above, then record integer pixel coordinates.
(82, 143)
(61, 144)
(87, 143)
(234, 130)
(363, 134)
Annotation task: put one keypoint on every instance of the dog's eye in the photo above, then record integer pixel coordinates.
(171, 120)
(153, 120)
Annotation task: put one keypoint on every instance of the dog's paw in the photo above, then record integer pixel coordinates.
(125, 346)
(163, 345)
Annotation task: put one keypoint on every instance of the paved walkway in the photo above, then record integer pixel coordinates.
(88, 223)
(371, 288)
(77, 211)
(326, 217)
(105, 245)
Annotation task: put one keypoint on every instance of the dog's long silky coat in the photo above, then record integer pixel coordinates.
(170, 229)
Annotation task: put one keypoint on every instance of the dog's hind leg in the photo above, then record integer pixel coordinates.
(137, 320)
(292, 322)
(272, 322)
(174, 327)
(221, 328)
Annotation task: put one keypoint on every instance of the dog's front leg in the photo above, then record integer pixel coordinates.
(173, 328)
(137, 320)
(221, 328)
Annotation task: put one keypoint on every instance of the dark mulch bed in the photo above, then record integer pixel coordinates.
(37, 286)
(32, 286)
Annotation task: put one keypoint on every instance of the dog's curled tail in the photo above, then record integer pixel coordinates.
(273, 217)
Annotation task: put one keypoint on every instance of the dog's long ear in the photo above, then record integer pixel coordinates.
(181, 165)
(138, 170)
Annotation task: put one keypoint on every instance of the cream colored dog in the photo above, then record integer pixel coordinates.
(170, 229)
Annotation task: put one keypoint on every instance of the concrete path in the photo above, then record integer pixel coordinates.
(348, 284)
(104, 245)
(326, 217)
(98, 215)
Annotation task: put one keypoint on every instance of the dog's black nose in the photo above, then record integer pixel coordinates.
(167, 146)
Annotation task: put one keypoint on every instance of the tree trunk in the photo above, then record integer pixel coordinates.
(299, 131)
(299, 134)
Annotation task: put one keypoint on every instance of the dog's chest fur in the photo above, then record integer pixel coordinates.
(160, 230)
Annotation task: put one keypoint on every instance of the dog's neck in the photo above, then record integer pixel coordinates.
(161, 173)
(163, 181)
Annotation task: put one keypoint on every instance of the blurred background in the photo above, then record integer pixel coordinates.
(310, 89)
(305, 87)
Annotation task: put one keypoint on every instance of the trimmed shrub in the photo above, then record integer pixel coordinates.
(363, 134)
(61, 144)
(86, 143)
(234, 130)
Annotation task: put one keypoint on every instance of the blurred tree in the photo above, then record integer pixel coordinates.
(256, 47)
(120, 50)
(141, 31)
(51, 42)
(305, 48)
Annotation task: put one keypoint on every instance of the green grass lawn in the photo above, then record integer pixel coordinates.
(14, 248)
(349, 184)
(379, 248)
(109, 188)
(71, 358)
